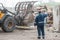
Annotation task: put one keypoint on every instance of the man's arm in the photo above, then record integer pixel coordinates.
(46, 14)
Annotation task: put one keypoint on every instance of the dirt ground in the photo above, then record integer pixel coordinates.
(27, 34)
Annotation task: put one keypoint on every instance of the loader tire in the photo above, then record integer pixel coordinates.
(8, 24)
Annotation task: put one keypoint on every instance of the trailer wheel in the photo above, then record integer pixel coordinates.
(8, 24)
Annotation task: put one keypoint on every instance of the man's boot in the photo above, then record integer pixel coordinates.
(39, 37)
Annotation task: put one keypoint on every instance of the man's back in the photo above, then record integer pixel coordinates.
(40, 18)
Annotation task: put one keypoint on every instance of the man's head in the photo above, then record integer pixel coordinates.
(43, 10)
(39, 9)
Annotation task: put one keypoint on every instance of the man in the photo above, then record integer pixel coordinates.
(39, 21)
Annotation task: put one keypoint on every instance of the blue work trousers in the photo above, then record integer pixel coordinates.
(40, 29)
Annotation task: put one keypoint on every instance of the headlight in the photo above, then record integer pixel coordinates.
(1, 15)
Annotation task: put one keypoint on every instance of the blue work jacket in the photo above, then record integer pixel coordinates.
(39, 20)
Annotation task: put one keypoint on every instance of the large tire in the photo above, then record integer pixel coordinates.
(8, 24)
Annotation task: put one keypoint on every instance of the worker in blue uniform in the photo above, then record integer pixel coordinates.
(39, 21)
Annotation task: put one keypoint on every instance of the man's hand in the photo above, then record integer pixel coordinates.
(35, 24)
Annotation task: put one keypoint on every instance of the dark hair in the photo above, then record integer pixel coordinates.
(39, 12)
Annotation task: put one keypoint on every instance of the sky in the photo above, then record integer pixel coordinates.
(12, 3)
